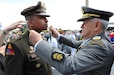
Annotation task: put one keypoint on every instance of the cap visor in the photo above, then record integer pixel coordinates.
(82, 19)
(43, 14)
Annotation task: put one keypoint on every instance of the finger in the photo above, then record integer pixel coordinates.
(22, 23)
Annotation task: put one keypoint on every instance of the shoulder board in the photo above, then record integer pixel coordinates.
(98, 42)
(97, 38)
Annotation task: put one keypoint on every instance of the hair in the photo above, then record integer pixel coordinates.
(104, 24)
(28, 18)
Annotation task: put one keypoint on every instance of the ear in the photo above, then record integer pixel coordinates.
(97, 26)
(30, 23)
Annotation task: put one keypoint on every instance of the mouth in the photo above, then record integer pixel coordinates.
(46, 25)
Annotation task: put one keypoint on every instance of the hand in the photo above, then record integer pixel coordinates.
(55, 33)
(15, 25)
(2, 50)
(34, 37)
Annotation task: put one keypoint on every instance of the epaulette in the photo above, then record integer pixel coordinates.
(14, 40)
(96, 40)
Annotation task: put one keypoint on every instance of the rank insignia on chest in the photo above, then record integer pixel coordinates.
(9, 50)
(31, 49)
(57, 56)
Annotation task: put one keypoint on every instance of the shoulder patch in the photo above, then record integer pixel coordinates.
(57, 56)
(9, 50)
(9, 46)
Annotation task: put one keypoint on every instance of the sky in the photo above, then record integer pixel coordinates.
(63, 13)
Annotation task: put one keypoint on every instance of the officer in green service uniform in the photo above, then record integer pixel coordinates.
(20, 57)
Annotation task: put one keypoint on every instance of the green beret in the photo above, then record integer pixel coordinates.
(39, 9)
(94, 13)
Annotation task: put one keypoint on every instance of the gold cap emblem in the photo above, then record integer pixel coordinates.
(41, 4)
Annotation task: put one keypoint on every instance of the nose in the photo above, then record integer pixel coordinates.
(82, 25)
(46, 20)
